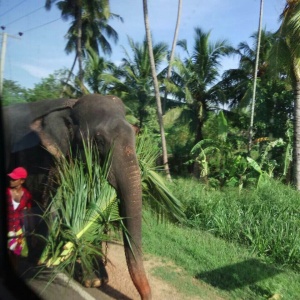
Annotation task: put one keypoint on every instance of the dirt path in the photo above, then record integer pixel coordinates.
(121, 287)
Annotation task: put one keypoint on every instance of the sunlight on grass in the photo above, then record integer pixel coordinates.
(234, 271)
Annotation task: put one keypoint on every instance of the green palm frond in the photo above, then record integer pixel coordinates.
(155, 191)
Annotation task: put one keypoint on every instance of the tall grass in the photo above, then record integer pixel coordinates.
(266, 219)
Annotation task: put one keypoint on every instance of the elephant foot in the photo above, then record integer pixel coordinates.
(93, 280)
(94, 283)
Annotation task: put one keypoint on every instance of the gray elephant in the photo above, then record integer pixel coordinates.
(37, 132)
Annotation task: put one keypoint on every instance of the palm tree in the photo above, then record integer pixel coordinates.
(73, 9)
(156, 89)
(89, 21)
(273, 89)
(287, 44)
(99, 73)
(238, 83)
(197, 76)
(95, 28)
(135, 70)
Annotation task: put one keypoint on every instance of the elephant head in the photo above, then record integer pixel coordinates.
(50, 126)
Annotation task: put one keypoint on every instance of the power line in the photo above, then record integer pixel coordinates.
(25, 15)
(12, 8)
(40, 26)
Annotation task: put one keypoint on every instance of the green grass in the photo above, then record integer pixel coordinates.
(266, 219)
(208, 262)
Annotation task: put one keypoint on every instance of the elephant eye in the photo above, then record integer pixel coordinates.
(99, 139)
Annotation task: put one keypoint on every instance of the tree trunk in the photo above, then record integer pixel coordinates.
(255, 76)
(69, 76)
(297, 136)
(198, 138)
(79, 40)
(156, 88)
(172, 51)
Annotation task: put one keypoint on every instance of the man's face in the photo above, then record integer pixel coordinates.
(13, 183)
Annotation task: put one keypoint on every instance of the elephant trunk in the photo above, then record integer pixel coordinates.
(128, 182)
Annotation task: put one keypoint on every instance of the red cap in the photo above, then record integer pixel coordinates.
(18, 173)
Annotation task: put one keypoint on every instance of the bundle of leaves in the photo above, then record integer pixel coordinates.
(82, 212)
(85, 207)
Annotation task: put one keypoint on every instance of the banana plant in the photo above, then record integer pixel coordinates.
(266, 166)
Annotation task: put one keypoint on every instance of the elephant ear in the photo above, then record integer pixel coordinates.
(55, 130)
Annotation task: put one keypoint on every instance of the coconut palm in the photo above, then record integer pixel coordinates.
(238, 83)
(90, 19)
(99, 73)
(96, 31)
(135, 71)
(197, 75)
(255, 75)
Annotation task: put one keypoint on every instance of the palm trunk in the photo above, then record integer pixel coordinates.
(69, 77)
(297, 136)
(255, 77)
(172, 51)
(156, 88)
(79, 40)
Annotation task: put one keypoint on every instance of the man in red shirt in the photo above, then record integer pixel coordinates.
(18, 200)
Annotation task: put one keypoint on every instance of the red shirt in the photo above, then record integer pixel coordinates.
(16, 216)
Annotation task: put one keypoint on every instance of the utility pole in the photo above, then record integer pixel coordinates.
(2, 61)
(2, 58)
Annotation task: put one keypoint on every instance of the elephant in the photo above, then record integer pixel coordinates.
(38, 132)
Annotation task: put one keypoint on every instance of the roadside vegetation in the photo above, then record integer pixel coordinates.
(195, 262)
(245, 243)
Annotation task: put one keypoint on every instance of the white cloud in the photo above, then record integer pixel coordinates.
(36, 71)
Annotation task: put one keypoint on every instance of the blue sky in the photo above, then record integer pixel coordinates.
(40, 50)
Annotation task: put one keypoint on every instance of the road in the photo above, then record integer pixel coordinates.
(61, 288)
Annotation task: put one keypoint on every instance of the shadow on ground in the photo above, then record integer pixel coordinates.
(246, 273)
(110, 291)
